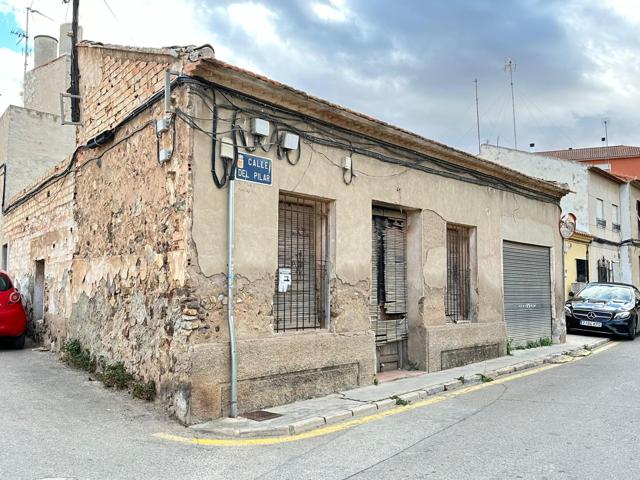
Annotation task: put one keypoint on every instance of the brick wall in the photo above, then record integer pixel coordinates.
(44, 229)
(114, 82)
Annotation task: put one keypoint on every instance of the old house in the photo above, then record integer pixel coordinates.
(353, 247)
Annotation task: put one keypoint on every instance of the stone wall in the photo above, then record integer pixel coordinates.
(131, 295)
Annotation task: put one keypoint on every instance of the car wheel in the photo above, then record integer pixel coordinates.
(632, 330)
(18, 342)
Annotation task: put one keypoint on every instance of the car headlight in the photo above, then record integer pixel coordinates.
(567, 309)
(622, 315)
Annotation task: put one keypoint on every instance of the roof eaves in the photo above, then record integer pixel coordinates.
(266, 89)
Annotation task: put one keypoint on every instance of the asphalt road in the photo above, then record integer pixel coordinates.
(580, 420)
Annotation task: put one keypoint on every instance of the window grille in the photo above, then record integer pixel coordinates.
(302, 303)
(458, 274)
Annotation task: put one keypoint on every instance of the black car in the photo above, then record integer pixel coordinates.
(606, 308)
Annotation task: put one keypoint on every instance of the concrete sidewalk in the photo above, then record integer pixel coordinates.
(306, 415)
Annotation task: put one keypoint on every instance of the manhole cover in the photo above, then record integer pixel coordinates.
(261, 415)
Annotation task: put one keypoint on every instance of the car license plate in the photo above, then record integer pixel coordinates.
(588, 323)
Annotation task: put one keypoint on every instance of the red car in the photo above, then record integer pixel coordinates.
(13, 319)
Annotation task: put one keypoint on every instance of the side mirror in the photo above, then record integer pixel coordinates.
(571, 294)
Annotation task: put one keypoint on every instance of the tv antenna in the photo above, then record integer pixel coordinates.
(477, 116)
(510, 66)
(605, 139)
(23, 36)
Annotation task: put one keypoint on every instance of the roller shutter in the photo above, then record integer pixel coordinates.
(527, 291)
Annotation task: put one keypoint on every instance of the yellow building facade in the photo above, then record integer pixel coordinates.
(576, 261)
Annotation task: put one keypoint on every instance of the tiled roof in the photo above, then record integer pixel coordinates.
(594, 153)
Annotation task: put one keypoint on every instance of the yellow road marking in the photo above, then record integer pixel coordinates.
(338, 427)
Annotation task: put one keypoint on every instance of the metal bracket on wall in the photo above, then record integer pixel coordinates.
(63, 119)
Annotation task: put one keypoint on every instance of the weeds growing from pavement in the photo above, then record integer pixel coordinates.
(400, 401)
(541, 342)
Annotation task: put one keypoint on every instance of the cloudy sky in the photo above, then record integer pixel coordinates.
(408, 62)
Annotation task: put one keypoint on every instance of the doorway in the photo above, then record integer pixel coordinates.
(38, 291)
(388, 300)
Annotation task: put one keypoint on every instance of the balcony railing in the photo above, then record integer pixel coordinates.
(600, 223)
(615, 227)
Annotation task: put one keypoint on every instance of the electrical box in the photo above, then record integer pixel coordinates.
(284, 279)
(162, 125)
(226, 148)
(165, 155)
(289, 141)
(260, 127)
(346, 163)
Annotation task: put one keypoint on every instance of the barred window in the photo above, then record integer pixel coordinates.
(301, 299)
(458, 297)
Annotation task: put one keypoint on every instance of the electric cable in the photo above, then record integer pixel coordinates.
(413, 159)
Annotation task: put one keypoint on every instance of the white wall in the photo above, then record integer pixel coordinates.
(575, 175)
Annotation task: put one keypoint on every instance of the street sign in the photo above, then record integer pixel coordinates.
(253, 169)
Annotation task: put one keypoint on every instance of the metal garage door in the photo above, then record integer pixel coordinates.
(527, 291)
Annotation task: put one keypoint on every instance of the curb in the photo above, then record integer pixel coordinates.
(370, 408)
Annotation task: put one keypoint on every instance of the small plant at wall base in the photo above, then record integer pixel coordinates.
(114, 376)
(485, 379)
(461, 378)
(144, 391)
(76, 356)
(117, 376)
(509, 347)
(541, 342)
(411, 365)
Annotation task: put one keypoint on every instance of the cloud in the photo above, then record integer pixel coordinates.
(10, 78)
(412, 63)
(334, 11)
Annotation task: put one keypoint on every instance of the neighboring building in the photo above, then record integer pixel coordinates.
(605, 245)
(359, 247)
(618, 159)
(32, 138)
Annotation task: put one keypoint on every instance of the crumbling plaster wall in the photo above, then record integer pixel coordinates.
(131, 294)
(431, 200)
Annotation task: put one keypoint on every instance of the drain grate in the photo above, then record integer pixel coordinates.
(261, 415)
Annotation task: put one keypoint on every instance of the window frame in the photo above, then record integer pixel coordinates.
(601, 222)
(316, 274)
(615, 217)
(459, 297)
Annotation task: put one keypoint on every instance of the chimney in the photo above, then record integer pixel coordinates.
(532, 148)
(45, 49)
(65, 38)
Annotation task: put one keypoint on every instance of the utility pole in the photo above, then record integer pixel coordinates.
(75, 74)
(477, 115)
(510, 66)
(606, 132)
